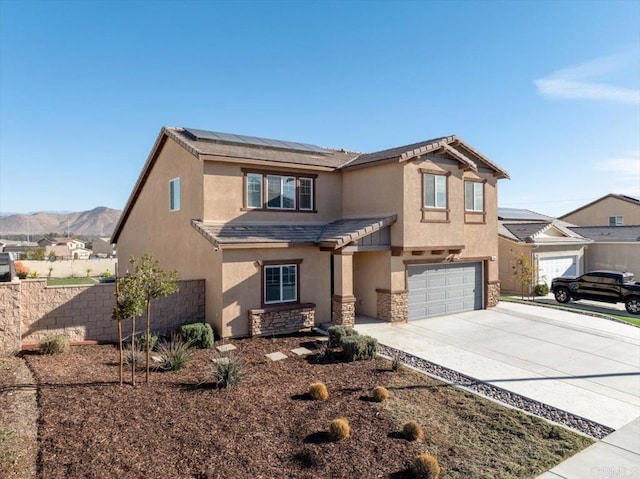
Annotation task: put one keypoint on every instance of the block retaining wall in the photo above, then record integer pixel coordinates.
(30, 310)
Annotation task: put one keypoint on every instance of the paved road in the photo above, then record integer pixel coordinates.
(581, 364)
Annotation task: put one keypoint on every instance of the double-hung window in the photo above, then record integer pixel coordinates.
(473, 196)
(280, 283)
(174, 194)
(269, 191)
(435, 191)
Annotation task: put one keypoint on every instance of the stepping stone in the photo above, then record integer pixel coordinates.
(277, 356)
(322, 339)
(221, 360)
(301, 351)
(156, 359)
(223, 348)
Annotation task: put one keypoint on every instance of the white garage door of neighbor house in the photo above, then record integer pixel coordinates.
(549, 268)
(436, 290)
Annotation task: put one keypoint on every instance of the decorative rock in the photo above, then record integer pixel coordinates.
(223, 348)
(277, 356)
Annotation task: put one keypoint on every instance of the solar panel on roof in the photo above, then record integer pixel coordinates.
(254, 141)
(520, 214)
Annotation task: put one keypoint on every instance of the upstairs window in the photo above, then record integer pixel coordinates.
(174, 194)
(473, 196)
(269, 191)
(281, 192)
(616, 220)
(435, 191)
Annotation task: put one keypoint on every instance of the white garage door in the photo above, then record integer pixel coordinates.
(435, 290)
(549, 268)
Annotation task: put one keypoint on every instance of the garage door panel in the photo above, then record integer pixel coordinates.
(436, 290)
(549, 268)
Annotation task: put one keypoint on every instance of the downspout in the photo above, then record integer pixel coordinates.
(535, 268)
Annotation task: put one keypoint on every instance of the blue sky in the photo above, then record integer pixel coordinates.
(549, 90)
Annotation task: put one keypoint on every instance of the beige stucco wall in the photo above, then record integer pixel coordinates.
(375, 191)
(242, 283)
(224, 195)
(598, 213)
(168, 235)
(371, 271)
(615, 257)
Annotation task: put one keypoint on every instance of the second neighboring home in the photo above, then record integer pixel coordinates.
(289, 235)
(103, 247)
(65, 248)
(610, 210)
(548, 243)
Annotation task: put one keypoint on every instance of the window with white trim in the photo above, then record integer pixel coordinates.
(616, 220)
(435, 191)
(174, 194)
(280, 283)
(306, 194)
(473, 196)
(281, 192)
(254, 190)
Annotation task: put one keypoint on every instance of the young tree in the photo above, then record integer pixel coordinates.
(129, 304)
(526, 273)
(155, 283)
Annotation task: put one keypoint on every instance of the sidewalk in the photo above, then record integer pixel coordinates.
(615, 456)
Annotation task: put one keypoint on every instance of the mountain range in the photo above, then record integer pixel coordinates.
(100, 221)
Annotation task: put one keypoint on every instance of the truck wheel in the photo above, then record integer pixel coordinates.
(562, 295)
(633, 305)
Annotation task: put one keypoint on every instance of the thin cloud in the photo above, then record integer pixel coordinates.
(584, 81)
(622, 173)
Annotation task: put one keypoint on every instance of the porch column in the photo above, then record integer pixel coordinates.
(343, 302)
(393, 303)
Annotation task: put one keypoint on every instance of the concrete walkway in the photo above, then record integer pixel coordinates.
(584, 365)
(616, 456)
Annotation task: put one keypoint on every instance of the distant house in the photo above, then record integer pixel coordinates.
(16, 247)
(551, 245)
(610, 210)
(103, 246)
(288, 235)
(614, 248)
(65, 248)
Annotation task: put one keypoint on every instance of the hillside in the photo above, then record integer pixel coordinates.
(100, 221)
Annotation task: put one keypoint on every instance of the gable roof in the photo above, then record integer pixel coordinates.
(609, 234)
(526, 231)
(629, 199)
(334, 235)
(453, 145)
(209, 145)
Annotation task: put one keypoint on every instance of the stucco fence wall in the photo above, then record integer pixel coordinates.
(30, 310)
(71, 268)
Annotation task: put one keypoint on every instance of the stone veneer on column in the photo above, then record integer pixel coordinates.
(493, 294)
(343, 310)
(393, 306)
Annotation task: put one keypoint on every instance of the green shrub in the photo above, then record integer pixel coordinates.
(339, 429)
(425, 466)
(54, 344)
(200, 335)
(141, 342)
(228, 369)
(541, 289)
(359, 347)
(336, 333)
(380, 394)
(413, 431)
(319, 392)
(174, 354)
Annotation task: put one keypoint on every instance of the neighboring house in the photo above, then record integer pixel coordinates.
(65, 248)
(103, 246)
(615, 248)
(610, 210)
(17, 247)
(550, 245)
(288, 235)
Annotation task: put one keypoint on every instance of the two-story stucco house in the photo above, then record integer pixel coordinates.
(288, 235)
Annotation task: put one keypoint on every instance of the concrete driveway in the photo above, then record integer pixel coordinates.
(584, 365)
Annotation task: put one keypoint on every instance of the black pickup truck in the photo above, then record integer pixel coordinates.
(607, 286)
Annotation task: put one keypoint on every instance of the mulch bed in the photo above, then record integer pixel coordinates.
(180, 426)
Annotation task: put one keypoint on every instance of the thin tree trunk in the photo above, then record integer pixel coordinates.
(133, 351)
(121, 351)
(148, 337)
